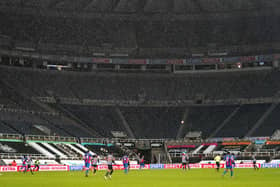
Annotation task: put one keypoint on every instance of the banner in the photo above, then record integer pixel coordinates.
(102, 60)
(195, 166)
(260, 142)
(236, 143)
(213, 166)
(8, 168)
(270, 165)
(172, 166)
(273, 143)
(180, 146)
(208, 144)
(246, 165)
(175, 61)
(120, 167)
(136, 166)
(54, 168)
(156, 166)
(138, 61)
(76, 168)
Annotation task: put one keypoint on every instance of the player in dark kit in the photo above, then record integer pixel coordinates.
(255, 163)
(185, 161)
(37, 167)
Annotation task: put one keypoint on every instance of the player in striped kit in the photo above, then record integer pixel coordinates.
(142, 163)
(87, 159)
(24, 163)
(94, 163)
(110, 161)
(229, 159)
(125, 161)
(29, 164)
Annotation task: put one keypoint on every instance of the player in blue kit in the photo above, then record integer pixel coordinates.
(87, 159)
(125, 161)
(229, 159)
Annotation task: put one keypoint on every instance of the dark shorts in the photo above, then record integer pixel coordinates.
(110, 167)
(218, 164)
(254, 162)
(87, 165)
(28, 166)
(125, 165)
(94, 166)
(184, 163)
(229, 167)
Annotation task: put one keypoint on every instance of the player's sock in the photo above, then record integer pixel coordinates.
(87, 172)
(111, 172)
(107, 173)
(224, 172)
(231, 173)
(94, 171)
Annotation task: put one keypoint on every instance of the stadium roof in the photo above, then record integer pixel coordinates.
(147, 10)
(147, 6)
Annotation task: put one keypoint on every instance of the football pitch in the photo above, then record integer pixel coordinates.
(146, 178)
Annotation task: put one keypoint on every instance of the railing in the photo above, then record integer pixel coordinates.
(267, 150)
(118, 140)
(240, 154)
(37, 137)
(33, 156)
(101, 102)
(23, 111)
(19, 156)
(11, 136)
(109, 140)
(50, 138)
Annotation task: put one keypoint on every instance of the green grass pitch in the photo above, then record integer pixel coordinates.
(146, 178)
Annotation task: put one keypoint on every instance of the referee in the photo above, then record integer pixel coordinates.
(217, 160)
